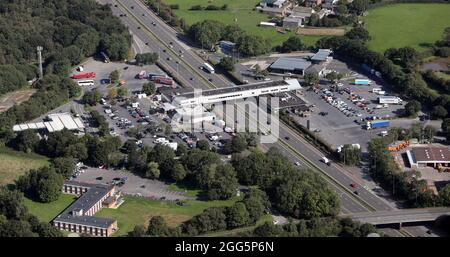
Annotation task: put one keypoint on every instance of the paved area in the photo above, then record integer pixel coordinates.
(135, 185)
(338, 127)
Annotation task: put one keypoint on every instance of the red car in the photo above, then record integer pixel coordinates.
(353, 185)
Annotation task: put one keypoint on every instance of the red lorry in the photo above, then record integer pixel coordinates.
(85, 75)
(163, 80)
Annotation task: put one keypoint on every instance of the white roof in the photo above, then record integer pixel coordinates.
(58, 121)
(49, 127)
(16, 128)
(32, 126)
(78, 122)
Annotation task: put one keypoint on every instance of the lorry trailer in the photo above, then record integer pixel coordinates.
(377, 124)
(163, 80)
(389, 100)
(85, 75)
(362, 82)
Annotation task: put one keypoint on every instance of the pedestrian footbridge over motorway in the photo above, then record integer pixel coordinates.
(400, 217)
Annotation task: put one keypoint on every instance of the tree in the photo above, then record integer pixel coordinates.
(251, 45)
(293, 43)
(444, 194)
(350, 155)
(412, 107)
(206, 33)
(333, 77)
(238, 144)
(122, 91)
(181, 150)
(158, 227)
(26, 141)
(149, 88)
(92, 97)
(178, 172)
(64, 166)
(196, 159)
(445, 126)
(268, 229)
(210, 219)
(237, 215)
(112, 93)
(11, 204)
(257, 203)
(152, 170)
(359, 6)
(358, 33)
(44, 184)
(203, 145)
(439, 112)
(223, 183)
(147, 58)
(304, 194)
(227, 63)
(311, 79)
(114, 76)
(138, 231)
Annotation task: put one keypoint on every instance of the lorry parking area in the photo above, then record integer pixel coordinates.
(128, 73)
(340, 112)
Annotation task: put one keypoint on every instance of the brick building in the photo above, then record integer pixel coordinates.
(78, 217)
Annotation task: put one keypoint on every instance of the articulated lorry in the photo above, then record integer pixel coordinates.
(377, 124)
(86, 75)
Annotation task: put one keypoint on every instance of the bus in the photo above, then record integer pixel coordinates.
(86, 82)
(208, 67)
(104, 57)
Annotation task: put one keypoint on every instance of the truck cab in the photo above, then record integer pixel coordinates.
(326, 161)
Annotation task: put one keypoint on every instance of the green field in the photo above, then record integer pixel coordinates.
(138, 211)
(13, 164)
(239, 12)
(403, 25)
(48, 211)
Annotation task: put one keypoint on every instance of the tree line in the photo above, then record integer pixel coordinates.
(68, 31)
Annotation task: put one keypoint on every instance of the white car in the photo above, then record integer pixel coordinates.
(297, 163)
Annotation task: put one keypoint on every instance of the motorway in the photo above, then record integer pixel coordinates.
(156, 38)
(297, 148)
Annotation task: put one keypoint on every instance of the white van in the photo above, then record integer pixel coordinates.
(326, 161)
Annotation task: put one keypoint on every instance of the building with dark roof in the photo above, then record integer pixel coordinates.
(321, 56)
(289, 65)
(428, 156)
(79, 216)
(317, 69)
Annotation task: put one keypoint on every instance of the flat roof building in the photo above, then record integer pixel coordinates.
(428, 156)
(56, 122)
(289, 65)
(232, 93)
(78, 217)
(321, 56)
